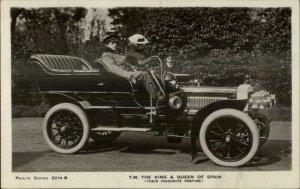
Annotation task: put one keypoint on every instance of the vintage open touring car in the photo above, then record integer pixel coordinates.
(93, 103)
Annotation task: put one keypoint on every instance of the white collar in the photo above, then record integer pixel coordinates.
(169, 65)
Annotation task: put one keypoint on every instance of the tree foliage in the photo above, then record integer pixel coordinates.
(198, 31)
(220, 46)
(45, 30)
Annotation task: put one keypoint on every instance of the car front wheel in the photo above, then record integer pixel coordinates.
(229, 137)
(66, 128)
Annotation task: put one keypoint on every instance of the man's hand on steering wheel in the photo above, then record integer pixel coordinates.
(132, 80)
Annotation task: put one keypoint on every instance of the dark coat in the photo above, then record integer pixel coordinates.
(134, 57)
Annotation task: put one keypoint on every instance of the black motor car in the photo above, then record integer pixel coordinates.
(89, 103)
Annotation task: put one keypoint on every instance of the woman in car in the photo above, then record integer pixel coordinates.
(117, 63)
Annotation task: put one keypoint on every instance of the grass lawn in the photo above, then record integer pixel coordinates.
(278, 114)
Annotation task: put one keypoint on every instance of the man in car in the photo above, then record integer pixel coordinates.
(114, 62)
(118, 64)
(169, 61)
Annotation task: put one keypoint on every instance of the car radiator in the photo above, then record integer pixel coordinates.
(195, 102)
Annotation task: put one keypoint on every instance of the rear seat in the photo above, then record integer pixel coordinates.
(63, 63)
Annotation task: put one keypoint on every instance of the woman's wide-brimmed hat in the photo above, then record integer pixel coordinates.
(138, 39)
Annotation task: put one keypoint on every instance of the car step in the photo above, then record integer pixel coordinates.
(121, 129)
(179, 136)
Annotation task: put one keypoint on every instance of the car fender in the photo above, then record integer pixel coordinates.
(56, 98)
(204, 112)
(93, 112)
(258, 115)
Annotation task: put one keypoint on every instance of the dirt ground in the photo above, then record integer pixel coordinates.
(137, 152)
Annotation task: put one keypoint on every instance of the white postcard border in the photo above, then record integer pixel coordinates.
(230, 179)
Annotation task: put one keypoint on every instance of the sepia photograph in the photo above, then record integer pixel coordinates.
(150, 94)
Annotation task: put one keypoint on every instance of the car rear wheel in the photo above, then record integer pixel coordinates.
(105, 136)
(66, 128)
(229, 137)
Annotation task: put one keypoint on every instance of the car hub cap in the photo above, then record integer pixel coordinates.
(229, 139)
(65, 129)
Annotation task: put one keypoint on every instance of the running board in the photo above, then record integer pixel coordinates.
(179, 136)
(121, 129)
